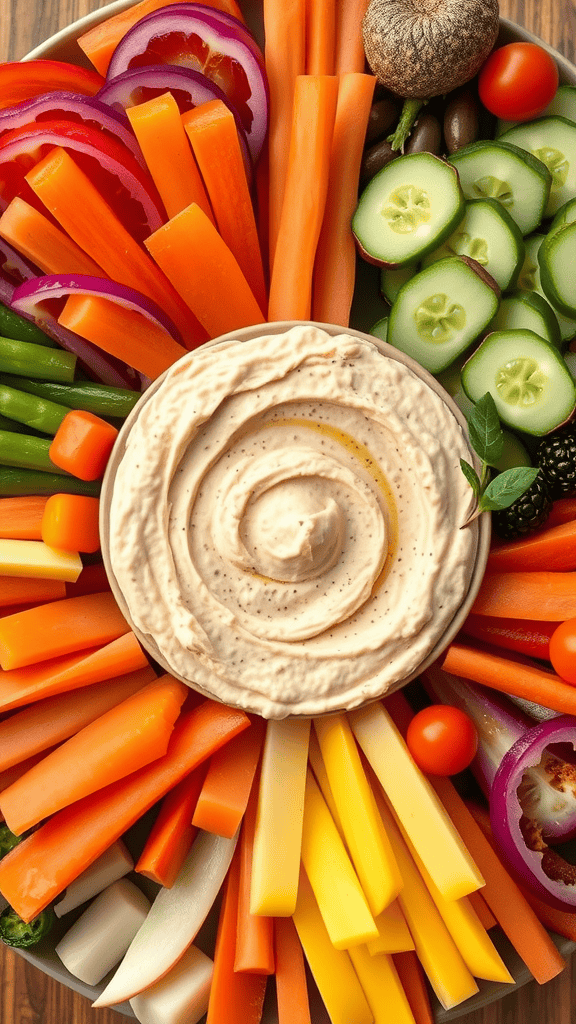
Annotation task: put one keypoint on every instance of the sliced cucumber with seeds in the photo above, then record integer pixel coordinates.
(566, 215)
(527, 378)
(557, 260)
(528, 311)
(553, 141)
(392, 279)
(507, 173)
(441, 311)
(380, 329)
(529, 281)
(407, 210)
(563, 105)
(488, 234)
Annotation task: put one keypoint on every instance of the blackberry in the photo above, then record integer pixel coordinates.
(527, 513)
(556, 456)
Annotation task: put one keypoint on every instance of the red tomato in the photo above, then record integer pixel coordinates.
(563, 650)
(518, 81)
(442, 740)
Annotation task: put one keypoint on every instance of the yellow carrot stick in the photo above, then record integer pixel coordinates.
(382, 987)
(393, 932)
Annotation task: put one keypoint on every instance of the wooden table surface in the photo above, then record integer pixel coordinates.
(26, 995)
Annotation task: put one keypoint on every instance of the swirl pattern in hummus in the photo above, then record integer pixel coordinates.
(285, 521)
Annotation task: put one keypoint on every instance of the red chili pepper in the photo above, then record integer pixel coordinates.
(526, 637)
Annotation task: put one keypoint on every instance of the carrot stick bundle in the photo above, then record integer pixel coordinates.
(42, 242)
(320, 37)
(254, 932)
(305, 193)
(335, 265)
(224, 795)
(172, 834)
(349, 44)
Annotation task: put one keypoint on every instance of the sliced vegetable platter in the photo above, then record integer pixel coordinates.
(366, 310)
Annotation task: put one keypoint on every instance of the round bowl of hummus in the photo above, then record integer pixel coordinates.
(283, 520)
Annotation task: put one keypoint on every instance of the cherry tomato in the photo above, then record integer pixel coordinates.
(442, 740)
(518, 81)
(563, 650)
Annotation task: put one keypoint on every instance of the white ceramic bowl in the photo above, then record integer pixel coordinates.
(63, 46)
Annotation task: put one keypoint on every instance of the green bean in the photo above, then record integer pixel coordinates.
(28, 360)
(26, 452)
(14, 326)
(16, 482)
(31, 411)
(16, 428)
(100, 399)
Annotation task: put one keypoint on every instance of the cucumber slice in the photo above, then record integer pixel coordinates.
(553, 141)
(528, 311)
(407, 209)
(529, 281)
(513, 454)
(507, 173)
(527, 378)
(380, 329)
(563, 105)
(566, 215)
(441, 310)
(557, 260)
(392, 279)
(451, 381)
(488, 235)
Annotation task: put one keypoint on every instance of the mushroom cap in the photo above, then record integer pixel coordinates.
(423, 48)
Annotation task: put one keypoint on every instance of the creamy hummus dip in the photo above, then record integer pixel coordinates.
(285, 521)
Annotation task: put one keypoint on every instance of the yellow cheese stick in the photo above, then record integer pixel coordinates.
(393, 932)
(319, 769)
(448, 974)
(278, 834)
(336, 887)
(415, 803)
(367, 842)
(35, 560)
(382, 987)
(331, 968)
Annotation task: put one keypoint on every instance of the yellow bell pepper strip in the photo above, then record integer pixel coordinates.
(393, 932)
(382, 987)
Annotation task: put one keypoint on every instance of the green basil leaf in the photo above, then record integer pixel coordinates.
(471, 476)
(507, 487)
(486, 436)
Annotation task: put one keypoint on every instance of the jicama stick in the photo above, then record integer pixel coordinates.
(21, 518)
(291, 987)
(121, 741)
(61, 627)
(254, 933)
(413, 981)
(79, 208)
(172, 834)
(50, 721)
(203, 270)
(224, 795)
(305, 192)
(544, 596)
(349, 43)
(32, 559)
(41, 866)
(18, 590)
(25, 685)
(42, 242)
(320, 37)
(158, 128)
(113, 864)
(181, 995)
(212, 132)
(235, 996)
(335, 264)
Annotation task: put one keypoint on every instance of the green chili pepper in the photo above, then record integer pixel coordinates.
(21, 935)
(7, 840)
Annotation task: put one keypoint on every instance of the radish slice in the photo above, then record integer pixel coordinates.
(101, 936)
(174, 919)
(181, 997)
(113, 864)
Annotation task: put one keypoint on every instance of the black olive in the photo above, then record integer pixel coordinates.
(461, 120)
(383, 114)
(425, 136)
(375, 159)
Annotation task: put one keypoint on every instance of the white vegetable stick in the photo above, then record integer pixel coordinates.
(181, 997)
(113, 864)
(100, 937)
(174, 920)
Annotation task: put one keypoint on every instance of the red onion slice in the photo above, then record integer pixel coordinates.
(15, 268)
(148, 43)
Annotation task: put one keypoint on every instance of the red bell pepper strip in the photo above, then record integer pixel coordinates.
(20, 80)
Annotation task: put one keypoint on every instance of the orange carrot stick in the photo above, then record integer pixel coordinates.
(349, 42)
(482, 909)
(213, 135)
(10, 775)
(285, 58)
(34, 682)
(554, 920)
(122, 740)
(520, 678)
(40, 241)
(235, 997)
(254, 933)
(514, 915)
(99, 42)
(320, 37)
(54, 719)
(160, 133)
(548, 596)
(335, 266)
(21, 518)
(304, 197)
(83, 213)
(224, 796)
(70, 523)
(172, 834)
(291, 987)
(53, 856)
(82, 444)
(563, 511)
(19, 590)
(201, 267)
(553, 549)
(413, 982)
(92, 579)
(62, 627)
